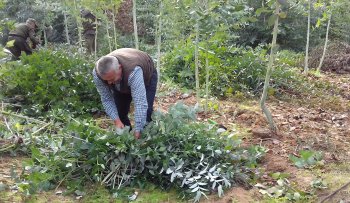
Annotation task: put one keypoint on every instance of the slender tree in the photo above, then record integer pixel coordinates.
(79, 24)
(135, 24)
(325, 45)
(196, 55)
(66, 26)
(306, 65)
(206, 81)
(269, 71)
(107, 32)
(159, 37)
(115, 45)
(326, 40)
(96, 34)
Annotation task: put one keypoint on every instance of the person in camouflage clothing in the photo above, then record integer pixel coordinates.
(17, 40)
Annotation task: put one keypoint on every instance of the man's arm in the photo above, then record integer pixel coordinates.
(33, 37)
(138, 93)
(107, 99)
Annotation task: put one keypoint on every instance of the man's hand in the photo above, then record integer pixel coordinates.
(137, 135)
(118, 123)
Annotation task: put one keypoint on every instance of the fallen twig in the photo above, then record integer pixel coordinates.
(7, 147)
(335, 192)
(7, 125)
(46, 125)
(9, 104)
(20, 116)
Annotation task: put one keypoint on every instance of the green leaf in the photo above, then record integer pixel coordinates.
(271, 20)
(296, 196)
(169, 170)
(259, 11)
(276, 175)
(198, 196)
(220, 191)
(195, 189)
(3, 187)
(282, 15)
(318, 23)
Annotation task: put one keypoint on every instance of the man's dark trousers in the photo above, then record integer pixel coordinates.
(123, 101)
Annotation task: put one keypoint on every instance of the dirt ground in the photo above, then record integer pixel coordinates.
(310, 126)
(305, 125)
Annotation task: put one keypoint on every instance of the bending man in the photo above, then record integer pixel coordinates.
(121, 76)
(19, 37)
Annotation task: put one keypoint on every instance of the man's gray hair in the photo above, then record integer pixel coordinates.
(32, 23)
(105, 64)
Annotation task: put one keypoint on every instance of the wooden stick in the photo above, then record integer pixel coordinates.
(335, 192)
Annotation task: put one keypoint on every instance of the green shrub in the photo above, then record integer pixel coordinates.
(49, 80)
(232, 68)
(288, 58)
(235, 69)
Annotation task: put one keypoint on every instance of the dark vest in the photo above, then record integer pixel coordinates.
(21, 30)
(129, 59)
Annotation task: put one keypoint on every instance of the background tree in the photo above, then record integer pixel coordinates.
(159, 38)
(134, 17)
(306, 64)
(326, 15)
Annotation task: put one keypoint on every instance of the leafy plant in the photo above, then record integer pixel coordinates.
(319, 184)
(282, 189)
(50, 80)
(307, 159)
(233, 69)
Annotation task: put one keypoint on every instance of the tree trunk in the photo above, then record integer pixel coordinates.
(44, 27)
(114, 29)
(159, 38)
(79, 26)
(196, 53)
(306, 66)
(269, 71)
(107, 33)
(45, 37)
(135, 24)
(325, 45)
(96, 33)
(206, 81)
(66, 27)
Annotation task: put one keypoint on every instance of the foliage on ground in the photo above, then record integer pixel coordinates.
(175, 152)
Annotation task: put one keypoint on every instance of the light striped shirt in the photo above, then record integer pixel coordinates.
(138, 93)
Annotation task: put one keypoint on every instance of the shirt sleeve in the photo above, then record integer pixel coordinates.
(107, 98)
(138, 93)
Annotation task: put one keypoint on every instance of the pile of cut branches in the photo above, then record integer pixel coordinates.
(337, 58)
(175, 151)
